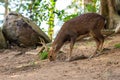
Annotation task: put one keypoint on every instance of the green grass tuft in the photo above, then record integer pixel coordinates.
(117, 45)
(43, 55)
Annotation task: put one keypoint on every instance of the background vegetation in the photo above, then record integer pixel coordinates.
(45, 11)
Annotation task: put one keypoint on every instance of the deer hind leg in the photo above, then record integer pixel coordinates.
(99, 42)
(97, 47)
(101, 38)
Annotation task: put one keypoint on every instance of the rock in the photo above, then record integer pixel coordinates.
(3, 43)
(22, 31)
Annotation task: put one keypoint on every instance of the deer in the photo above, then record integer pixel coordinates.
(85, 24)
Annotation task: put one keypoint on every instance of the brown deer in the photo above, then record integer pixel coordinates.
(89, 23)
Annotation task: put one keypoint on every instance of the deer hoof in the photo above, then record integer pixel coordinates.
(68, 60)
(89, 58)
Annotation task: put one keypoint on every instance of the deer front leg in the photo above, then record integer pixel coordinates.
(71, 49)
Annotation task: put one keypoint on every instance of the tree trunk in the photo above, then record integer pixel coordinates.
(109, 9)
(104, 10)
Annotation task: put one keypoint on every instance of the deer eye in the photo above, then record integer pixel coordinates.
(50, 56)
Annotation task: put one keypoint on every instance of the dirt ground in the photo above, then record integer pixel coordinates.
(15, 65)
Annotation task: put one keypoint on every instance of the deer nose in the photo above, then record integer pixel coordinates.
(51, 58)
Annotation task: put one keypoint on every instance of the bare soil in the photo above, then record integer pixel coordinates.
(15, 65)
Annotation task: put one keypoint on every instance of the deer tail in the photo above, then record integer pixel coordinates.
(105, 26)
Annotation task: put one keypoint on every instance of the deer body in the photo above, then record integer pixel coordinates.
(89, 23)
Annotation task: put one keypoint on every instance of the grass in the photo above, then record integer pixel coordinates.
(117, 45)
(43, 55)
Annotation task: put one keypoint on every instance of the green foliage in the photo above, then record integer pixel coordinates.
(2, 1)
(38, 10)
(117, 45)
(43, 55)
(45, 10)
(70, 17)
(92, 7)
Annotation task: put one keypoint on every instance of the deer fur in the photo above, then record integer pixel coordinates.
(89, 23)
